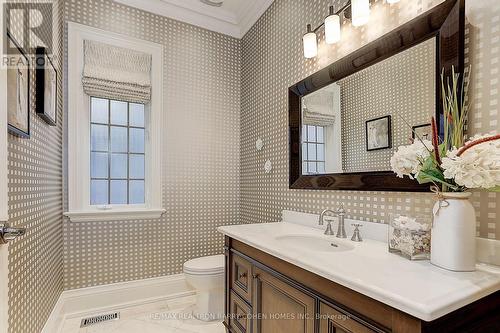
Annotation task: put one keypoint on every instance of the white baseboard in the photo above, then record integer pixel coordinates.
(81, 302)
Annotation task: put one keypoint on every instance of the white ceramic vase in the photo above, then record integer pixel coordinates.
(453, 235)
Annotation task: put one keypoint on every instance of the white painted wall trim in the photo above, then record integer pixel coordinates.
(115, 215)
(105, 298)
(78, 116)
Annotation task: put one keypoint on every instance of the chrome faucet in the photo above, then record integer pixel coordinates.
(340, 212)
(328, 230)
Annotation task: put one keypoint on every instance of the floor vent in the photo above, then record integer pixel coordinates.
(99, 319)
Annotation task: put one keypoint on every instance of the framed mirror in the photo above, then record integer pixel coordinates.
(346, 120)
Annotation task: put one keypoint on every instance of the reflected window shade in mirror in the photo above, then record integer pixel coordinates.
(396, 77)
(321, 108)
(116, 72)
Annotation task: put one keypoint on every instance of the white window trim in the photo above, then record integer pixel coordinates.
(78, 114)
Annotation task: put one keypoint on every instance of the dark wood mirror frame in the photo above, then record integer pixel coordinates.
(446, 22)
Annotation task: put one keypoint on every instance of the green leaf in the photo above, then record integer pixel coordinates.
(442, 150)
(433, 176)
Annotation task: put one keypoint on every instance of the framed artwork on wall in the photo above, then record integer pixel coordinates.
(378, 133)
(18, 92)
(423, 131)
(46, 87)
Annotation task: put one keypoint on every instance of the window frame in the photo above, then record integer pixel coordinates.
(109, 152)
(78, 115)
(306, 142)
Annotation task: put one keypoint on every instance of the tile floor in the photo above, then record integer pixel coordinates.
(172, 316)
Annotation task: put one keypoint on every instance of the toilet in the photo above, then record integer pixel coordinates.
(206, 275)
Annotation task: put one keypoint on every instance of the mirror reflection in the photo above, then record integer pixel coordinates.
(356, 123)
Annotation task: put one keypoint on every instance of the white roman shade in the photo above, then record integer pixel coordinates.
(320, 108)
(116, 72)
(317, 118)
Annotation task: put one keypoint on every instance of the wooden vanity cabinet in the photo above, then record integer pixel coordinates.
(265, 294)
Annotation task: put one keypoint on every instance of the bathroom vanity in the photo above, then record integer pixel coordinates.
(286, 277)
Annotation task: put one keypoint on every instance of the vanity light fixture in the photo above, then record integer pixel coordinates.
(332, 27)
(310, 43)
(360, 12)
(392, 1)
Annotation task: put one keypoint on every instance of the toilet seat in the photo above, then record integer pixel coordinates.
(205, 265)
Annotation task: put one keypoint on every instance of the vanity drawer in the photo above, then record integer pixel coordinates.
(241, 277)
(239, 314)
(332, 320)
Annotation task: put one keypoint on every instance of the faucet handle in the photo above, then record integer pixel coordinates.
(356, 236)
(341, 209)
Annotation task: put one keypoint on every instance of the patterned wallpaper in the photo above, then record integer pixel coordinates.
(273, 61)
(201, 154)
(212, 173)
(36, 202)
(402, 86)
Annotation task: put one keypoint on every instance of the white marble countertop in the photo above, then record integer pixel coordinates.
(415, 287)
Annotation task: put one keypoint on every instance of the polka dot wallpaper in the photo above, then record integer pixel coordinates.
(35, 168)
(200, 154)
(273, 61)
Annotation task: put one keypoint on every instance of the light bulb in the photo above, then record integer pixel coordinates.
(310, 43)
(392, 1)
(332, 28)
(360, 12)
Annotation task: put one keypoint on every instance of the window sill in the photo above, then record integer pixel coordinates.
(114, 215)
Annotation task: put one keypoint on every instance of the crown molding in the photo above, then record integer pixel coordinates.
(250, 16)
(234, 24)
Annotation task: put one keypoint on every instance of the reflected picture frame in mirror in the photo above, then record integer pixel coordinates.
(378, 133)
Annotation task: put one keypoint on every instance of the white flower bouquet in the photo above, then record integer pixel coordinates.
(450, 162)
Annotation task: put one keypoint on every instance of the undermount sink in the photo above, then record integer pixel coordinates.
(313, 243)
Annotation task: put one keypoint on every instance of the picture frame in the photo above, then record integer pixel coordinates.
(378, 133)
(18, 92)
(424, 131)
(46, 87)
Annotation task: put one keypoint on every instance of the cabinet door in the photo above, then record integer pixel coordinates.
(240, 314)
(333, 321)
(279, 307)
(241, 277)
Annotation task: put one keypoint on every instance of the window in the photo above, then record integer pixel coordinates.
(313, 149)
(114, 145)
(117, 152)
